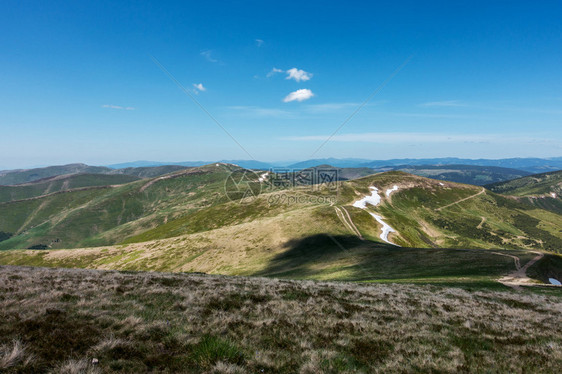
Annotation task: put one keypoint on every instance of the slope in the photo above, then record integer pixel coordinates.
(12, 177)
(469, 174)
(60, 183)
(540, 190)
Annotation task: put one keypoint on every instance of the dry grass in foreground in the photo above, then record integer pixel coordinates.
(62, 320)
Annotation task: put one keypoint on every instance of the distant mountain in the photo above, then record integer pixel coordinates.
(336, 162)
(532, 165)
(326, 172)
(529, 165)
(149, 171)
(248, 164)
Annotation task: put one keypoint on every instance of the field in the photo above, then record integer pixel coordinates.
(61, 320)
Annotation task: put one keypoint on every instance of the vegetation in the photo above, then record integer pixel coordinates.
(97, 321)
(543, 191)
(12, 177)
(537, 184)
(191, 206)
(469, 174)
(59, 184)
(149, 171)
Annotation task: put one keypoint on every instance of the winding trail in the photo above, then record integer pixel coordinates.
(461, 200)
(519, 277)
(480, 225)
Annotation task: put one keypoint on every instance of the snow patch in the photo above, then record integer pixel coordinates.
(263, 177)
(553, 195)
(374, 200)
(386, 229)
(441, 184)
(391, 190)
(556, 282)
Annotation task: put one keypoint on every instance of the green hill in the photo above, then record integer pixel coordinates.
(61, 183)
(17, 177)
(468, 174)
(185, 221)
(540, 190)
(536, 184)
(13, 177)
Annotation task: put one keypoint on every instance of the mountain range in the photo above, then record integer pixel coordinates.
(531, 165)
(190, 220)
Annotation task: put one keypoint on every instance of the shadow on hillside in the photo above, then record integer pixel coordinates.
(316, 254)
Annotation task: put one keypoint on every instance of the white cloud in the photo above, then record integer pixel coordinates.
(209, 56)
(299, 95)
(447, 103)
(199, 87)
(118, 107)
(298, 75)
(294, 73)
(274, 71)
(259, 42)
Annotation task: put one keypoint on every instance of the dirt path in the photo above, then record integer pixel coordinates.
(519, 277)
(461, 200)
(31, 217)
(352, 224)
(515, 259)
(169, 176)
(481, 223)
(349, 224)
(60, 192)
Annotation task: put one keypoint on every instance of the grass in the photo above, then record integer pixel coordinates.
(194, 201)
(64, 320)
(60, 184)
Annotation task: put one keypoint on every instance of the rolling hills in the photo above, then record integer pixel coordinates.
(185, 221)
(25, 176)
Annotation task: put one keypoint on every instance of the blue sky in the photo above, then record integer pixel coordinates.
(78, 84)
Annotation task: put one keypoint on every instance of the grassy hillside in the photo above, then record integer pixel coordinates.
(16, 177)
(154, 322)
(536, 184)
(60, 183)
(424, 212)
(307, 239)
(468, 174)
(12, 177)
(108, 215)
(541, 190)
